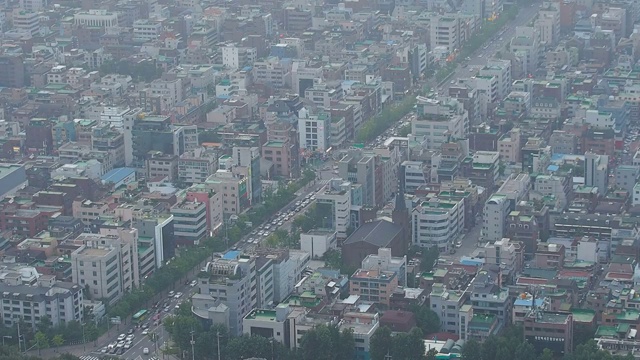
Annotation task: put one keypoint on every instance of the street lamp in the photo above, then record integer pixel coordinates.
(193, 343)
(273, 354)
(218, 339)
(84, 343)
(6, 337)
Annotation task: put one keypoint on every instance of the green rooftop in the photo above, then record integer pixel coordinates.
(306, 299)
(266, 315)
(482, 321)
(606, 331)
(583, 315)
(277, 144)
(628, 315)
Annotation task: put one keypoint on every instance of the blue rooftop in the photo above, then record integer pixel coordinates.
(118, 174)
(466, 260)
(553, 168)
(557, 157)
(528, 302)
(230, 255)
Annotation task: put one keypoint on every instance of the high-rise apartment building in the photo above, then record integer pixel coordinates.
(247, 164)
(596, 171)
(333, 204)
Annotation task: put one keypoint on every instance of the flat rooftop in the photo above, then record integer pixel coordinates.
(6, 169)
(554, 318)
(264, 315)
(89, 251)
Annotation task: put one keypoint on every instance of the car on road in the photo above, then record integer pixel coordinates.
(145, 331)
(459, 244)
(171, 293)
(194, 283)
(130, 337)
(128, 344)
(145, 351)
(167, 309)
(122, 337)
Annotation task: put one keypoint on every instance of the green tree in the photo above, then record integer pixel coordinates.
(404, 130)
(546, 355)
(490, 348)
(472, 350)
(582, 334)
(45, 325)
(431, 354)
(380, 344)
(346, 345)
(429, 258)
(332, 258)
(57, 340)
(426, 319)
(41, 341)
(180, 328)
(525, 351)
(312, 341)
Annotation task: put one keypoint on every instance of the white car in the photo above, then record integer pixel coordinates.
(130, 337)
(145, 332)
(128, 344)
(122, 337)
(194, 283)
(145, 351)
(171, 293)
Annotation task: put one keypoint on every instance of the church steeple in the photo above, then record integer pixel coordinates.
(400, 201)
(400, 213)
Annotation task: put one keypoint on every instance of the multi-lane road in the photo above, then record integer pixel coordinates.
(147, 342)
(141, 343)
(142, 347)
(497, 43)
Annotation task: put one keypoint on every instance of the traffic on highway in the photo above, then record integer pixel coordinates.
(145, 337)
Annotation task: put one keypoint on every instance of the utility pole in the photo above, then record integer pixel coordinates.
(84, 342)
(218, 338)
(19, 338)
(193, 343)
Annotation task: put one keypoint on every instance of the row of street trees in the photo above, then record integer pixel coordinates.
(401, 346)
(321, 343)
(46, 335)
(189, 258)
(387, 117)
(513, 346)
(12, 353)
(490, 29)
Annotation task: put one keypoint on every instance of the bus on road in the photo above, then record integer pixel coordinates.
(140, 316)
